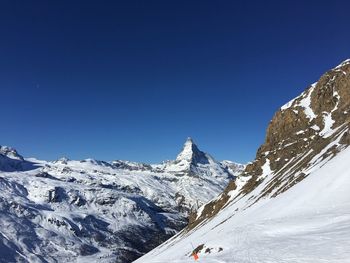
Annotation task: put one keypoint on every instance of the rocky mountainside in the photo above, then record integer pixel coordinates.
(291, 203)
(309, 129)
(89, 210)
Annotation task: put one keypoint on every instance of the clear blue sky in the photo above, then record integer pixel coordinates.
(132, 79)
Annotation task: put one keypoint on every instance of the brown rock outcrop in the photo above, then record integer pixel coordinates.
(307, 130)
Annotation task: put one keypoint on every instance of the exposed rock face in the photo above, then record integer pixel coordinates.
(310, 128)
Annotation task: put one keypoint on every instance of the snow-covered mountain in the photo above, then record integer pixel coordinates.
(292, 203)
(10, 160)
(89, 210)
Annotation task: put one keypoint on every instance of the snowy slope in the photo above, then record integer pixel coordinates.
(291, 204)
(308, 223)
(89, 210)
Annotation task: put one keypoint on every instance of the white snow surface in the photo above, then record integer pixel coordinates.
(80, 211)
(328, 123)
(305, 103)
(187, 152)
(266, 169)
(308, 223)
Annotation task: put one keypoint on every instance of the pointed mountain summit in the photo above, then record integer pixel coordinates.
(190, 153)
(194, 163)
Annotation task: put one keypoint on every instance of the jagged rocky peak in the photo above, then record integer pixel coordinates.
(131, 166)
(232, 167)
(62, 160)
(310, 121)
(10, 153)
(191, 153)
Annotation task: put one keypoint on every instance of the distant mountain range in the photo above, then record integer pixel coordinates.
(89, 210)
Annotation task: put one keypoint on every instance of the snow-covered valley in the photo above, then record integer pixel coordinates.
(84, 211)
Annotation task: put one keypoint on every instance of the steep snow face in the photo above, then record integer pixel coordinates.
(89, 210)
(305, 103)
(191, 154)
(189, 158)
(188, 151)
(287, 204)
(308, 223)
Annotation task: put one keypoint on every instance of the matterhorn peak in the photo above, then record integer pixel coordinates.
(191, 153)
(189, 140)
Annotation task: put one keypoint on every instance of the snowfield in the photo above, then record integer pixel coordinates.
(308, 223)
(89, 210)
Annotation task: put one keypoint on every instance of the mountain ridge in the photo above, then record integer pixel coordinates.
(96, 210)
(296, 127)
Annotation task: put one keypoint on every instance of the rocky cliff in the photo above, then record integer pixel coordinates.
(307, 130)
